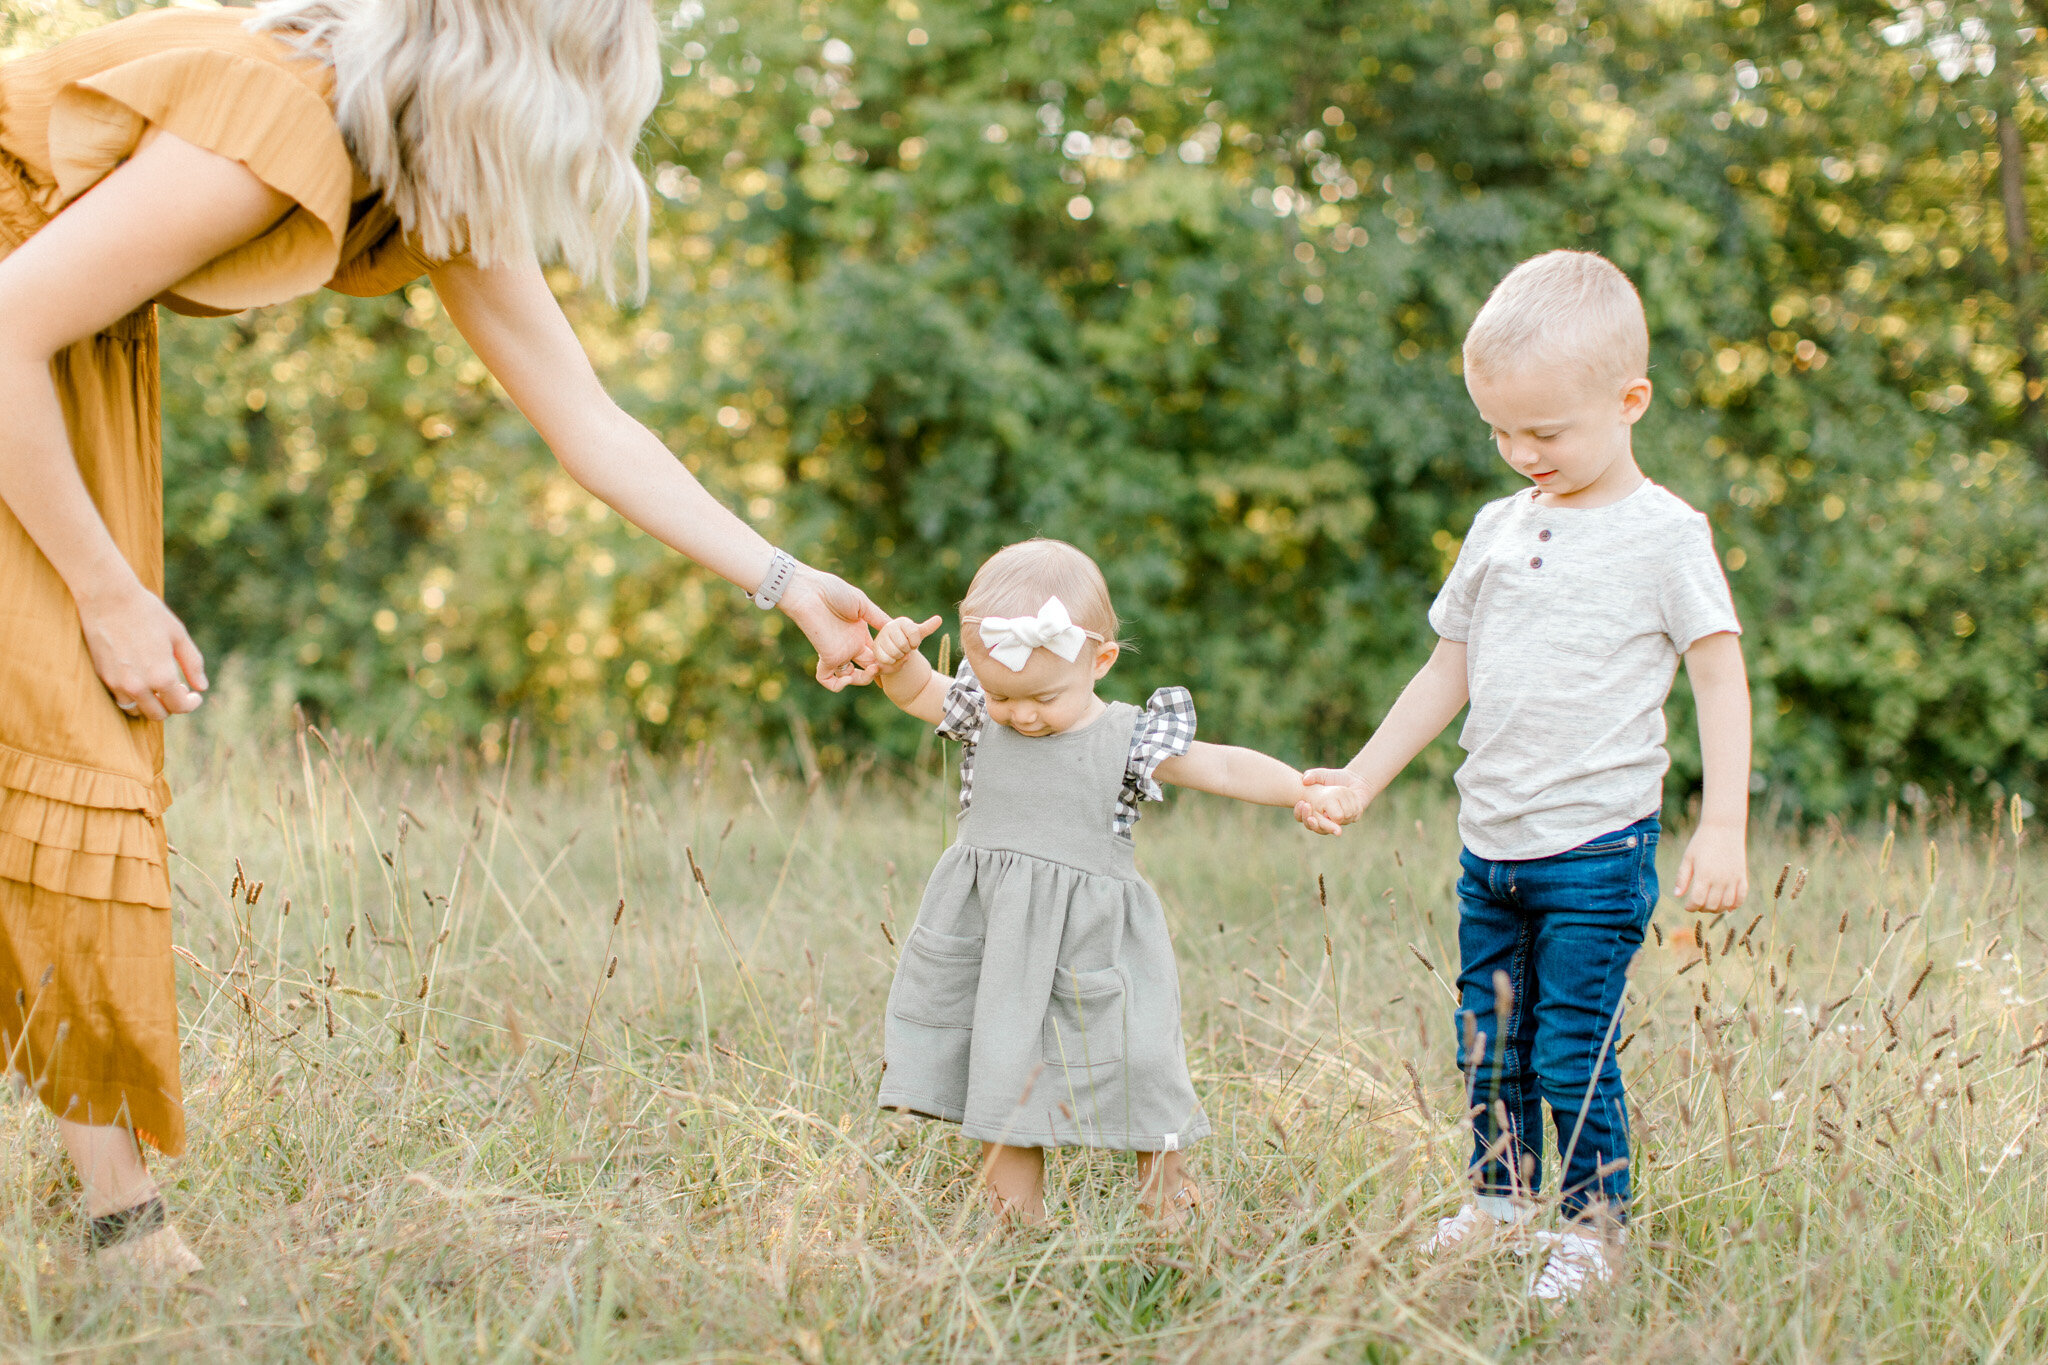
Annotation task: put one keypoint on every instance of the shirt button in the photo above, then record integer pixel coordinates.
(1536, 563)
(1543, 535)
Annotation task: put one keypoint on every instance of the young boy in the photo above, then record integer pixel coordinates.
(1562, 624)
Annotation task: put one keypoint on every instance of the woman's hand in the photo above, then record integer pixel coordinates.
(141, 651)
(835, 616)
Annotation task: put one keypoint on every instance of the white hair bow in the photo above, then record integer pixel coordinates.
(1010, 639)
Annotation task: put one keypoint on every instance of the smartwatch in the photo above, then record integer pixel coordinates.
(782, 569)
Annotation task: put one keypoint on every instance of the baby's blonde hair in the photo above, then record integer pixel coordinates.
(500, 128)
(1016, 580)
(1572, 309)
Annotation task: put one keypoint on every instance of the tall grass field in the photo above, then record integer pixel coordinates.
(483, 1065)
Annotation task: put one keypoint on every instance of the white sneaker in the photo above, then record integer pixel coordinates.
(1575, 1264)
(1471, 1225)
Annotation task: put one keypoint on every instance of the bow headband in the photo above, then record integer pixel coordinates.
(1010, 639)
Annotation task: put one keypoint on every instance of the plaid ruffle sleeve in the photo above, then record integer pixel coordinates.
(1166, 730)
(964, 712)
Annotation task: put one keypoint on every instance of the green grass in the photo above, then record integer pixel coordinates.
(430, 1123)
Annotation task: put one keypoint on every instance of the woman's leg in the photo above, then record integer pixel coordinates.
(1164, 1190)
(110, 1167)
(1016, 1179)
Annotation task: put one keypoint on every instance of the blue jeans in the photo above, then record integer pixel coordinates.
(1544, 948)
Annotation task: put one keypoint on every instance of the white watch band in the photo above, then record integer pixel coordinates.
(782, 569)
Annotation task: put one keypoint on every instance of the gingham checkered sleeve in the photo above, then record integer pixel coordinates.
(964, 712)
(1166, 730)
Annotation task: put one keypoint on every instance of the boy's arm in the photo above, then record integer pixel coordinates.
(906, 677)
(1432, 700)
(1227, 770)
(1714, 877)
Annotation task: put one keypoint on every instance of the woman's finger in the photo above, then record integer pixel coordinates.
(868, 613)
(190, 661)
(180, 699)
(851, 604)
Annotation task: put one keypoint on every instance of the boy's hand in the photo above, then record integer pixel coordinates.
(1327, 809)
(1714, 878)
(1333, 798)
(898, 641)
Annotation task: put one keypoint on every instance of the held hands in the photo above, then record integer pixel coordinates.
(898, 642)
(1333, 799)
(835, 616)
(1324, 809)
(1714, 878)
(141, 651)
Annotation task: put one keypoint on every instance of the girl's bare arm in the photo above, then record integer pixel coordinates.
(1227, 770)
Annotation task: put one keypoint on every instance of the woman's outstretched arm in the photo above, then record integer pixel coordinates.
(161, 215)
(512, 321)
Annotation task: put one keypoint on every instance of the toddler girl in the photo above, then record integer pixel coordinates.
(1036, 1003)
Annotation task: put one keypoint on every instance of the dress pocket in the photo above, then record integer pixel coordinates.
(936, 979)
(1084, 1020)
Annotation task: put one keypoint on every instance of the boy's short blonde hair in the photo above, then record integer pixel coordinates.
(1569, 309)
(1018, 578)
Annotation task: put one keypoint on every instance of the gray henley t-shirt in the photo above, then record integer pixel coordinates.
(1573, 620)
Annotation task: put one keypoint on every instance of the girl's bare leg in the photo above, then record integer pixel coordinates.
(1016, 1180)
(1164, 1189)
(111, 1168)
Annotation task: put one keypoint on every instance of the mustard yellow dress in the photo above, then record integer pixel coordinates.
(88, 1006)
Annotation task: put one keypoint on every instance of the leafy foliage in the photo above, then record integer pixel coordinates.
(1183, 282)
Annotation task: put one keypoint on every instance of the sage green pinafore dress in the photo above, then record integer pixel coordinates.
(1036, 1003)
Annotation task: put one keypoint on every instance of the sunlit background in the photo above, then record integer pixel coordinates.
(1183, 282)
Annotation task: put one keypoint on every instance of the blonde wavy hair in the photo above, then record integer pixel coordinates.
(499, 128)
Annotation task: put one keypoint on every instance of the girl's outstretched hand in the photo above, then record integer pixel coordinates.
(1333, 798)
(835, 616)
(899, 639)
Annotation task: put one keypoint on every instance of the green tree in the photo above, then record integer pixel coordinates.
(1184, 282)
